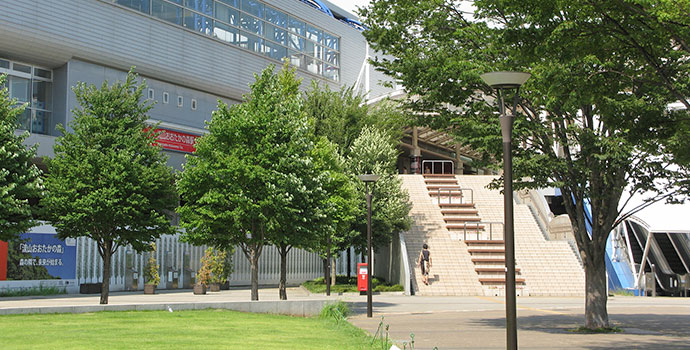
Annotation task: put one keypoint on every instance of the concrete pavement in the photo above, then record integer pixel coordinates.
(444, 322)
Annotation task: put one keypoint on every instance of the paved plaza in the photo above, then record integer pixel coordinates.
(443, 322)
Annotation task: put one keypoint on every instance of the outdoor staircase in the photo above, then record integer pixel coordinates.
(467, 249)
(463, 223)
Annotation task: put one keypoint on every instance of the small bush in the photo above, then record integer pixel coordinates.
(337, 311)
(345, 285)
(25, 292)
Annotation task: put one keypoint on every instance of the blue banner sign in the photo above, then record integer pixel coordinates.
(41, 256)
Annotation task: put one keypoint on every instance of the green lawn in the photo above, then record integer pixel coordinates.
(199, 329)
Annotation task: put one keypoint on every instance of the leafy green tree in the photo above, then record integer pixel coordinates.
(341, 115)
(593, 119)
(340, 204)
(108, 180)
(373, 152)
(20, 179)
(241, 186)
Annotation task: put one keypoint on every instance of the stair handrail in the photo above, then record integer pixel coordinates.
(450, 190)
(477, 224)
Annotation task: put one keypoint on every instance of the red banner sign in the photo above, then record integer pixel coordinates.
(176, 141)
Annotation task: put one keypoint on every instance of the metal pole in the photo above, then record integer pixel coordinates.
(509, 236)
(369, 254)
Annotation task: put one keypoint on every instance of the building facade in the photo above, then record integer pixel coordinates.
(192, 54)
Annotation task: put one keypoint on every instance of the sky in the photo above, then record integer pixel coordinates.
(659, 216)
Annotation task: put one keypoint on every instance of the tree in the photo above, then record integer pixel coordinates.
(340, 116)
(593, 119)
(108, 180)
(241, 185)
(20, 179)
(373, 152)
(339, 204)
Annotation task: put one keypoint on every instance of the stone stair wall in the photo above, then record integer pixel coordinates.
(549, 268)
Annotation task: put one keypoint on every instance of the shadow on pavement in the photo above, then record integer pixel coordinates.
(634, 324)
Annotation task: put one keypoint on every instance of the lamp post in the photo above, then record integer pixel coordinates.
(369, 179)
(501, 81)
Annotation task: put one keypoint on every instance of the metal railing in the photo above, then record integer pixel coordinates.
(438, 166)
(450, 191)
(477, 225)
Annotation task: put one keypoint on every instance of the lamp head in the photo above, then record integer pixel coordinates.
(369, 177)
(505, 79)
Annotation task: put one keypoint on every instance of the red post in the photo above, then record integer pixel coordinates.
(362, 277)
(3, 261)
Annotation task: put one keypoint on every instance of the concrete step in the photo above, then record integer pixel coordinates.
(493, 269)
(462, 219)
(440, 181)
(456, 205)
(498, 280)
(444, 188)
(431, 176)
(489, 260)
(486, 242)
(485, 251)
(468, 227)
(459, 211)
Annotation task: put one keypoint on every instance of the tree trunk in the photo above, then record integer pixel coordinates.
(283, 272)
(349, 263)
(106, 254)
(333, 272)
(596, 315)
(254, 262)
(326, 276)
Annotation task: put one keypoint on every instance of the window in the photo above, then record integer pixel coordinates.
(331, 41)
(296, 42)
(296, 26)
(253, 7)
(32, 86)
(203, 6)
(249, 41)
(227, 14)
(314, 34)
(276, 34)
(274, 51)
(193, 103)
(139, 5)
(251, 24)
(166, 97)
(152, 94)
(197, 22)
(226, 33)
(166, 11)
(180, 101)
(276, 17)
(233, 3)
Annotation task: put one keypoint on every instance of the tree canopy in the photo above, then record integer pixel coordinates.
(20, 179)
(108, 180)
(250, 176)
(592, 120)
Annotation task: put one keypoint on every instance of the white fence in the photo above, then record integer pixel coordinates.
(175, 272)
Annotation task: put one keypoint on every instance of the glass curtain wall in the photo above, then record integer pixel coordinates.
(33, 87)
(252, 25)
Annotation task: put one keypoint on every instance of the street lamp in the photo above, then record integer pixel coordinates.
(501, 81)
(369, 179)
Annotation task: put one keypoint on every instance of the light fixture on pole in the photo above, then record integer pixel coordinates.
(501, 81)
(369, 179)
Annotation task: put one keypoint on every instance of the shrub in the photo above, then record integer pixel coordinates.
(337, 311)
(151, 275)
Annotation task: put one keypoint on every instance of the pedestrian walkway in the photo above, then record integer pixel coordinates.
(445, 322)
